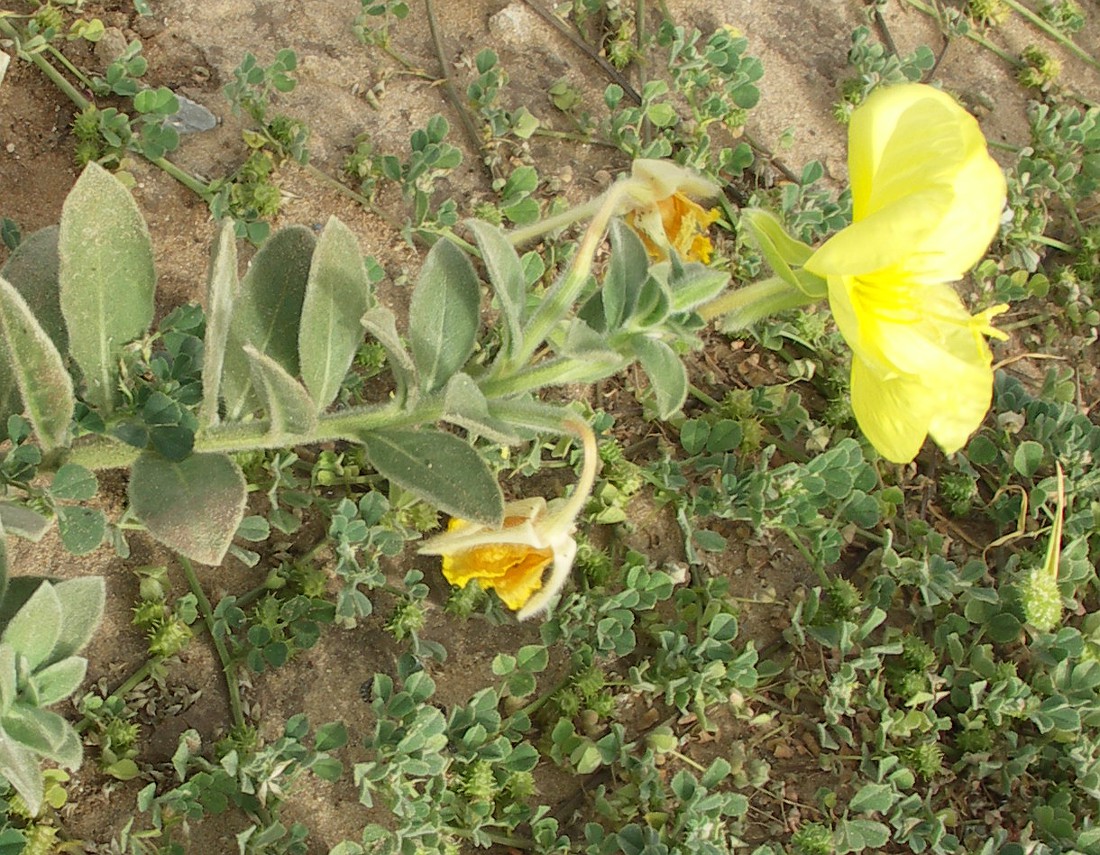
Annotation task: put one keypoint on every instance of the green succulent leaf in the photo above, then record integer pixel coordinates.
(44, 384)
(221, 291)
(443, 315)
(106, 276)
(440, 469)
(338, 294)
(266, 315)
(193, 506)
(74, 483)
(82, 529)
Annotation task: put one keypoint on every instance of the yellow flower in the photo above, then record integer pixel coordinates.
(926, 202)
(659, 208)
(535, 537)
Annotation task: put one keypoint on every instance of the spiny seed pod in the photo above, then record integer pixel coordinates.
(958, 491)
(976, 740)
(1040, 599)
(48, 18)
(813, 838)
(1041, 69)
(926, 759)
(168, 636)
(916, 653)
(990, 13)
(479, 783)
(840, 600)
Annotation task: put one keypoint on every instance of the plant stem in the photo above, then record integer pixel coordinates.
(128, 685)
(229, 667)
(344, 190)
(745, 306)
(526, 234)
(1052, 32)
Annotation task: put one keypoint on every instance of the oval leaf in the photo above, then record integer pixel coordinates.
(506, 276)
(36, 627)
(266, 314)
(45, 385)
(666, 374)
(290, 409)
(439, 468)
(443, 315)
(338, 294)
(192, 506)
(106, 278)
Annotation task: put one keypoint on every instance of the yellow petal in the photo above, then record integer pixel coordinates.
(515, 572)
(926, 196)
(893, 411)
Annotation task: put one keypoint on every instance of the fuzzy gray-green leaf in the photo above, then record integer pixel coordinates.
(266, 314)
(506, 276)
(338, 294)
(666, 374)
(443, 315)
(82, 602)
(625, 274)
(290, 409)
(24, 522)
(57, 681)
(221, 290)
(107, 278)
(32, 270)
(439, 468)
(20, 767)
(193, 506)
(381, 323)
(465, 405)
(36, 627)
(44, 384)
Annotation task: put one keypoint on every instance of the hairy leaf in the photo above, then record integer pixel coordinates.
(106, 278)
(506, 276)
(443, 315)
(666, 374)
(82, 602)
(36, 627)
(289, 407)
(193, 506)
(221, 290)
(39, 370)
(20, 767)
(439, 468)
(266, 314)
(59, 680)
(338, 294)
(381, 323)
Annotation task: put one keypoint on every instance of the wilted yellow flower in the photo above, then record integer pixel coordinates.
(659, 207)
(535, 537)
(926, 202)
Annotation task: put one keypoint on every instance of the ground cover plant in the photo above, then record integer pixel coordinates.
(722, 507)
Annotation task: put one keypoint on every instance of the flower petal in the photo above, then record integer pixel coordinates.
(926, 195)
(893, 412)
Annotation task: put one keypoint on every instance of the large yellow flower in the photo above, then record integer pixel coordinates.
(926, 202)
(535, 537)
